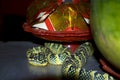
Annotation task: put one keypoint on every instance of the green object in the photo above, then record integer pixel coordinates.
(105, 26)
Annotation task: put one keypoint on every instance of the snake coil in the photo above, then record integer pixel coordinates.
(72, 64)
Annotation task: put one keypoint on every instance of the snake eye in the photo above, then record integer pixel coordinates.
(31, 56)
(41, 55)
(35, 56)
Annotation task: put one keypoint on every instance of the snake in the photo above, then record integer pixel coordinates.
(72, 63)
(52, 53)
(37, 56)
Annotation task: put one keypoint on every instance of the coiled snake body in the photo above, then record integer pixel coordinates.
(72, 64)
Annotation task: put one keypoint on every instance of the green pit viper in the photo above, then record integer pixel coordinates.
(72, 64)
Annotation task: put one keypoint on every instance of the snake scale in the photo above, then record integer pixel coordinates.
(72, 64)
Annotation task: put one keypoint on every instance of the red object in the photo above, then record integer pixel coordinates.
(76, 1)
(61, 36)
(69, 34)
(59, 2)
(72, 46)
(72, 29)
(49, 25)
(109, 69)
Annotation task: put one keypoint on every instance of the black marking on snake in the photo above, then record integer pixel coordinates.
(72, 65)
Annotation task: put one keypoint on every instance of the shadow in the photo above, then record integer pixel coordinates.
(12, 30)
(45, 78)
(12, 27)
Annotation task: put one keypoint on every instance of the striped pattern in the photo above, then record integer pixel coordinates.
(38, 56)
(47, 25)
(93, 75)
(77, 60)
(72, 65)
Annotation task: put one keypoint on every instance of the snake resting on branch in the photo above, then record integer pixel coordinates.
(72, 64)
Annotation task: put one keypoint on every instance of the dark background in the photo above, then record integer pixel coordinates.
(12, 17)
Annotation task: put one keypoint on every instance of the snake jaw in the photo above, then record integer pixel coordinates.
(37, 63)
(36, 54)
